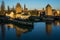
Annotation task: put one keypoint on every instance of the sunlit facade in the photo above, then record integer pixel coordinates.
(11, 15)
(18, 8)
(57, 13)
(49, 10)
(18, 15)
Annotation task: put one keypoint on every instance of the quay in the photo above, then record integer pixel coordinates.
(21, 22)
(17, 22)
(57, 17)
(28, 21)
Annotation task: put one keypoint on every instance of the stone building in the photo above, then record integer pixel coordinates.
(49, 10)
(57, 13)
(18, 8)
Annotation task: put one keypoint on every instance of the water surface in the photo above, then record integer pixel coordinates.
(39, 31)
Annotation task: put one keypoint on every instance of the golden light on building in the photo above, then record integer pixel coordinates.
(18, 15)
(49, 10)
(25, 16)
(57, 13)
(18, 8)
(11, 15)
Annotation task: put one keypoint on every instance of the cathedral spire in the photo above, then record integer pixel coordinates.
(2, 7)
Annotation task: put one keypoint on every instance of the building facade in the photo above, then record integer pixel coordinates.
(18, 8)
(49, 10)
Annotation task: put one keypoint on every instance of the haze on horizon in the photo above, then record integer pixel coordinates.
(32, 4)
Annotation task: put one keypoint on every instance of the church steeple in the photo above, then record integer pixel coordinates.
(3, 7)
(24, 6)
(18, 8)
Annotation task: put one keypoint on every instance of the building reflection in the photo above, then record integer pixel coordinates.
(3, 31)
(9, 26)
(57, 23)
(20, 29)
(23, 29)
(48, 27)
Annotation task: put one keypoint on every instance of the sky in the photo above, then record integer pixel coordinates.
(32, 4)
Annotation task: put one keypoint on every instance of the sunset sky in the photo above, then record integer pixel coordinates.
(33, 4)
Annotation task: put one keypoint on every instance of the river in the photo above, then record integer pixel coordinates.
(39, 31)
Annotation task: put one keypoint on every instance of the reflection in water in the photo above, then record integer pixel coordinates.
(21, 32)
(57, 23)
(48, 27)
(10, 26)
(3, 31)
(19, 29)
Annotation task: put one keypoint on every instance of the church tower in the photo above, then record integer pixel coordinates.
(25, 9)
(2, 8)
(18, 8)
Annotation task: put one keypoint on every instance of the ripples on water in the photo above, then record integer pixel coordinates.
(40, 31)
